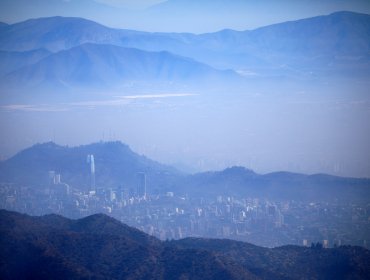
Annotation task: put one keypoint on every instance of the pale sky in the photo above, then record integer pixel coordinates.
(130, 4)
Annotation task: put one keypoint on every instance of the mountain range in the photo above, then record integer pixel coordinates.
(101, 66)
(197, 16)
(99, 247)
(117, 165)
(15, 60)
(72, 52)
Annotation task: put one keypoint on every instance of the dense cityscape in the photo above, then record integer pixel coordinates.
(170, 216)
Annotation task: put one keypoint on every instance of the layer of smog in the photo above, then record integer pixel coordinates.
(195, 133)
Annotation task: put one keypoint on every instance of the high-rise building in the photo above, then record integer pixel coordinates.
(141, 185)
(51, 177)
(57, 179)
(91, 161)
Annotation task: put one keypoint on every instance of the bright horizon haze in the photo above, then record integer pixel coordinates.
(290, 108)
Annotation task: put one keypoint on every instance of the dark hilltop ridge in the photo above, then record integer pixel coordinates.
(100, 247)
(116, 165)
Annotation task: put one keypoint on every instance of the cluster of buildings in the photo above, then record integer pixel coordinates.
(169, 216)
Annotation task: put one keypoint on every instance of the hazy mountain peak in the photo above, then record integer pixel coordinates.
(349, 13)
(69, 25)
(238, 169)
(115, 162)
(52, 33)
(49, 144)
(102, 66)
(55, 20)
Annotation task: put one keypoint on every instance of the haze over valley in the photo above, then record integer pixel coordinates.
(291, 96)
(184, 139)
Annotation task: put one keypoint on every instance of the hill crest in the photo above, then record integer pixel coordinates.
(84, 248)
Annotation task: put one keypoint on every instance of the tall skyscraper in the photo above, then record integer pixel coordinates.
(51, 177)
(57, 179)
(91, 161)
(141, 185)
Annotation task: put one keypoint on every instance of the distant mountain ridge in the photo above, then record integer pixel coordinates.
(117, 165)
(332, 44)
(190, 16)
(106, 66)
(55, 34)
(239, 181)
(12, 61)
(100, 247)
(340, 31)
